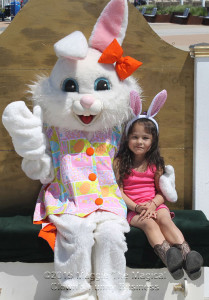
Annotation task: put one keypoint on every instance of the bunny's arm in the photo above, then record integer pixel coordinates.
(40, 169)
(26, 129)
(167, 184)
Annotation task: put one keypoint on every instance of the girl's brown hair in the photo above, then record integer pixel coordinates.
(125, 156)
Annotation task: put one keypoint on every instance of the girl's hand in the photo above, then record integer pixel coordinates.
(149, 211)
(141, 207)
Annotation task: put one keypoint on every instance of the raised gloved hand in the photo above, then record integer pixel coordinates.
(25, 128)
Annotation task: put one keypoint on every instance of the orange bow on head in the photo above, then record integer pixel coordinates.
(125, 66)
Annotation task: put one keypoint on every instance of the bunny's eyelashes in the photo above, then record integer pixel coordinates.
(70, 85)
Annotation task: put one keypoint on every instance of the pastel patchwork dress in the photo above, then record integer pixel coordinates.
(84, 179)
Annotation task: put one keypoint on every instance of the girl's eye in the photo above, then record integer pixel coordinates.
(101, 84)
(70, 85)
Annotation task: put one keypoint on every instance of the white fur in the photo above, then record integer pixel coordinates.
(40, 169)
(72, 46)
(167, 184)
(99, 236)
(25, 128)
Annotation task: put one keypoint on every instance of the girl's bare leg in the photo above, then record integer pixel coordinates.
(150, 228)
(170, 256)
(193, 261)
(171, 233)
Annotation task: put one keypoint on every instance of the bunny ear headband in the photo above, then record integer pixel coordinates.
(154, 108)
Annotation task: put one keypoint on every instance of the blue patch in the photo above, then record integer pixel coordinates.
(56, 159)
(54, 146)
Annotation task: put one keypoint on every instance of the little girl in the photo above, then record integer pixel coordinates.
(138, 166)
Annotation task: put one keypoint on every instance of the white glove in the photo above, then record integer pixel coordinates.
(41, 169)
(25, 128)
(167, 184)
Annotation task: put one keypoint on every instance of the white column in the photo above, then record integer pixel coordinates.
(200, 53)
(203, 3)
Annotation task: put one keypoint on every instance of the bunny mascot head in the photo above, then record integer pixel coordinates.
(69, 142)
(85, 90)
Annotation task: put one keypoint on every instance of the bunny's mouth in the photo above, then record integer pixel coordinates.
(86, 119)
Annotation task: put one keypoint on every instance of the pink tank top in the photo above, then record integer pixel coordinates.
(140, 186)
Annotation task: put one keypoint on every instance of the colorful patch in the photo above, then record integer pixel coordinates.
(103, 163)
(80, 160)
(78, 146)
(106, 178)
(86, 187)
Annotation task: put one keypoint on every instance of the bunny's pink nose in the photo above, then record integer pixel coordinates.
(87, 101)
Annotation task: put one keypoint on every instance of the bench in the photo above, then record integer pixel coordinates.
(2, 16)
(20, 241)
(181, 19)
(151, 17)
(27, 261)
(143, 11)
(206, 18)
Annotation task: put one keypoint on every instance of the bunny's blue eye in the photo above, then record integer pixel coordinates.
(70, 85)
(101, 84)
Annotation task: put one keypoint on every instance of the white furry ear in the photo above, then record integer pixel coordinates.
(112, 24)
(72, 46)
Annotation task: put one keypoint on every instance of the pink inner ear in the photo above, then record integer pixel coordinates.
(108, 25)
(135, 102)
(157, 103)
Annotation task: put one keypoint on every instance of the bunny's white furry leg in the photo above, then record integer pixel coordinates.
(109, 259)
(167, 184)
(72, 255)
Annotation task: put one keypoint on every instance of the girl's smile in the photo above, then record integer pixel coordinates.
(139, 140)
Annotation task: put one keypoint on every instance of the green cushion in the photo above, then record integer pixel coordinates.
(20, 241)
(195, 228)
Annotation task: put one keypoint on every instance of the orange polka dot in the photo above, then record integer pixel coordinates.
(99, 201)
(78, 147)
(101, 149)
(90, 151)
(105, 191)
(85, 188)
(92, 177)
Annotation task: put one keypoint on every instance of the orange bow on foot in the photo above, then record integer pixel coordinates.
(125, 66)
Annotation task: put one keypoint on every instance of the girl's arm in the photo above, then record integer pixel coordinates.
(130, 203)
(157, 200)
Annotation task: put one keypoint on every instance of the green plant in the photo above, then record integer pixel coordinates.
(164, 10)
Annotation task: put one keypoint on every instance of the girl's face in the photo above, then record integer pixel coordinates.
(139, 140)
